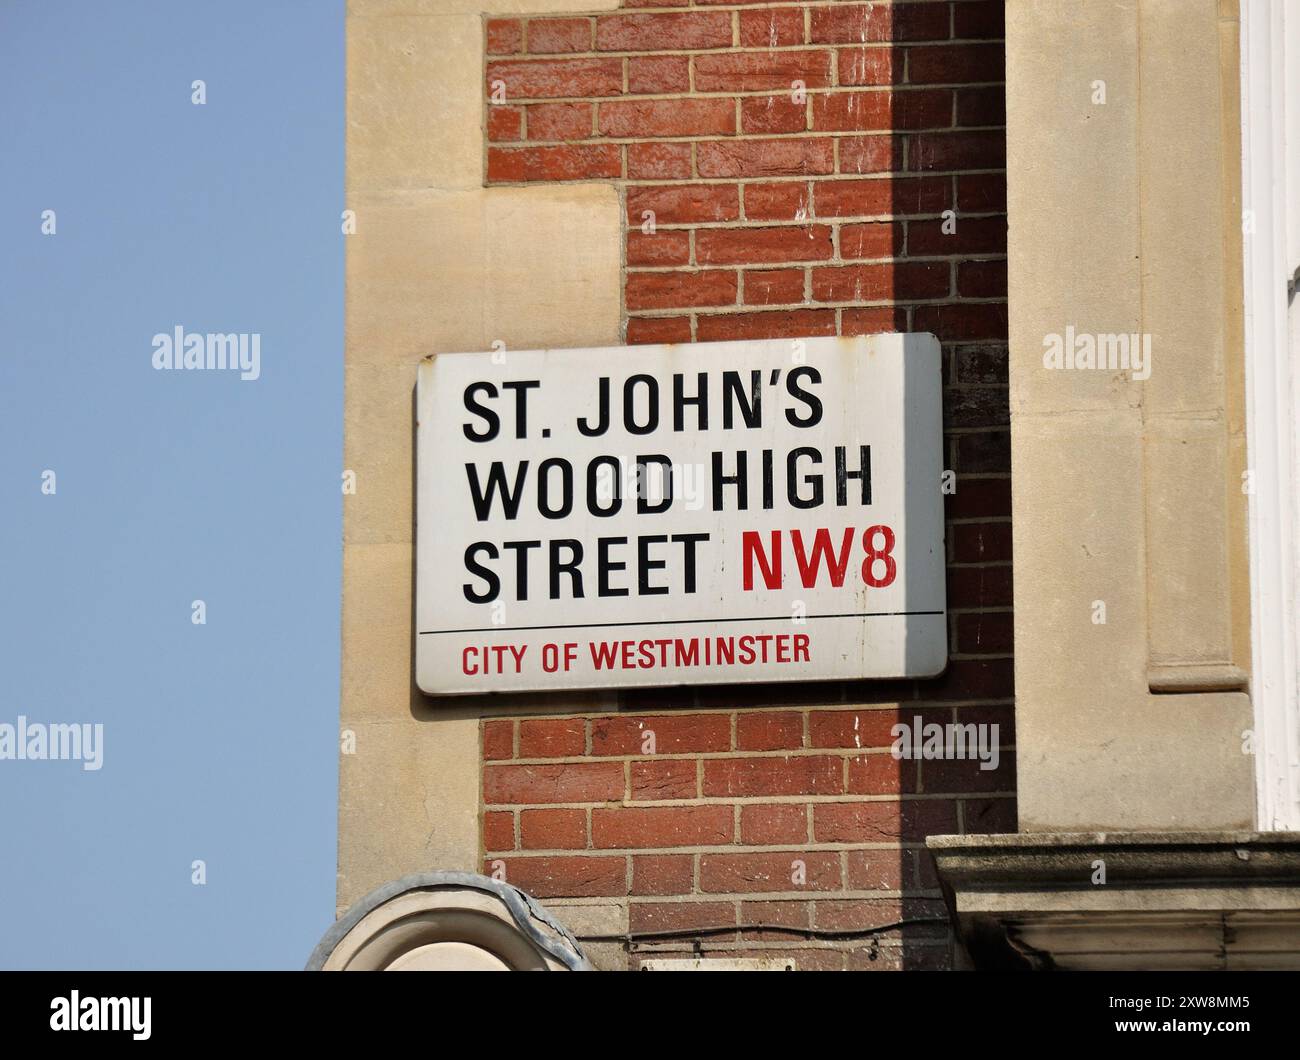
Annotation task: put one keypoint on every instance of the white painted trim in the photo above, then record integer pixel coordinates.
(1272, 406)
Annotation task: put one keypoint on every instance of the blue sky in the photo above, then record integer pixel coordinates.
(220, 740)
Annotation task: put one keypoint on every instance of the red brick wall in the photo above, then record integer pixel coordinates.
(778, 214)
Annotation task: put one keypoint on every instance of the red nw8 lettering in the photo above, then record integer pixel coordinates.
(878, 568)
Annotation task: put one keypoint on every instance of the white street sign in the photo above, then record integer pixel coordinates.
(692, 514)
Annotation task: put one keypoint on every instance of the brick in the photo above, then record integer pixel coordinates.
(956, 64)
(658, 73)
(551, 737)
(554, 163)
(764, 158)
(559, 121)
(505, 36)
(823, 959)
(767, 730)
(796, 775)
(985, 452)
(982, 106)
(962, 322)
(975, 406)
(553, 829)
(498, 739)
(757, 71)
(574, 782)
(680, 916)
(559, 35)
(914, 957)
(567, 876)
(882, 774)
(874, 239)
(979, 498)
(772, 823)
(986, 18)
(777, 202)
(773, 286)
(923, 874)
(971, 235)
(850, 24)
(553, 78)
(795, 323)
(975, 587)
(876, 870)
(656, 330)
(667, 117)
(963, 775)
(660, 248)
(868, 957)
(981, 542)
(673, 734)
(988, 816)
(775, 914)
(878, 196)
(684, 203)
(741, 873)
(629, 827)
(910, 820)
(1002, 716)
(966, 407)
(869, 66)
(505, 123)
(669, 778)
(772, 114)
(773, 27)
(982, 279)
(678, 290)
(973, 679)
(865, 728)
(659, 161)
(871, 154)
(499, 830)
(659, 874)
(990, 632)
(982, 192)
(981, 364)
(881, 109)
(900, 281)
(878, 23)
(758, 245)
(873, 321)
(863, 914)
(663, 32)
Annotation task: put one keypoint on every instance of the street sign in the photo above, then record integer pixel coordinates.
(683, 514)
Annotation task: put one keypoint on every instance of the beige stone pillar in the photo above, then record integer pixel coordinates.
(438, 264)
(1123, 174)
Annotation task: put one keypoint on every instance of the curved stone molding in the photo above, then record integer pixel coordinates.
(447, 921)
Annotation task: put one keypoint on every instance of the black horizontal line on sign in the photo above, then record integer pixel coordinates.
(673, 622)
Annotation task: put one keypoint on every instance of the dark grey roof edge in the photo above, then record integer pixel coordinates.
(522, 906)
